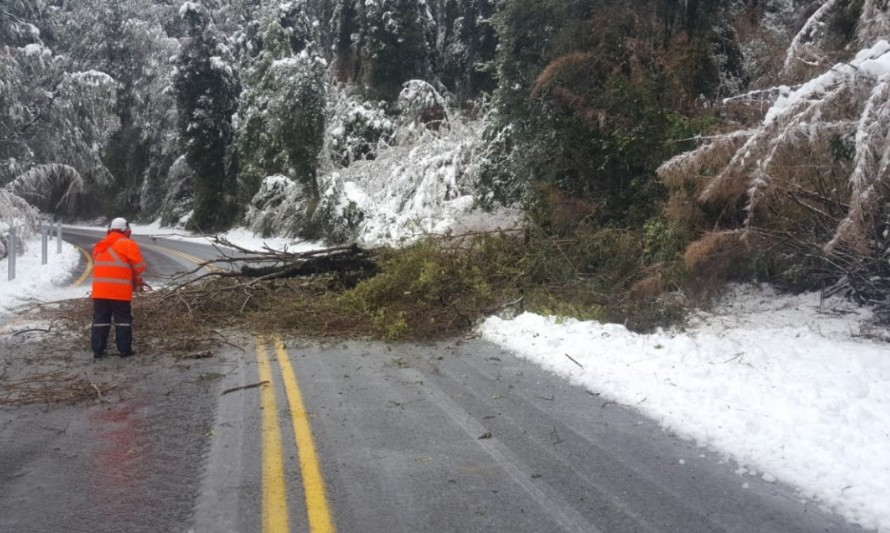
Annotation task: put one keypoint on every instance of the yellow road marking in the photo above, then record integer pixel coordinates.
(275, 517)
(317, 507)
(188, 257)
(86, 272)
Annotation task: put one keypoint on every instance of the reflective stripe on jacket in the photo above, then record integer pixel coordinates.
(117, 262)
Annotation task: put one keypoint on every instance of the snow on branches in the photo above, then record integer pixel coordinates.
(804, 47)
(808, 184)
(836, 122)
(15, 212)
(55, 186)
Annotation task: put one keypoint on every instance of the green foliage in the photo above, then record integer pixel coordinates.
(206, 88)
(663, 241)
(589, 93)
(394, 44)
(465, 45)
(843, 148)
(438, 288)
(846, 18)
(609, 258)
(282, 120)
(681, 131)
(545, 302)
(424, 291)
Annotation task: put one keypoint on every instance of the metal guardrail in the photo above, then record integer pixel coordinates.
(46, 231)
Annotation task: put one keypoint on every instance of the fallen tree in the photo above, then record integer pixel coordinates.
(348, 264)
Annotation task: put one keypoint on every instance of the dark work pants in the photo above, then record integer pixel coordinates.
(103, 311)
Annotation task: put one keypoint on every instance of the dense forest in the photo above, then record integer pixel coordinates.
(672, 144)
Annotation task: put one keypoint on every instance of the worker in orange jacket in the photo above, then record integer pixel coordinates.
(117, 272)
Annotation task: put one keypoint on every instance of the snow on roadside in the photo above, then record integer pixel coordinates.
(781, 384)
(34, 281)
(775, 382)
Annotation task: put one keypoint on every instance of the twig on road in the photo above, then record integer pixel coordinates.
(243, 387)
(19, 332)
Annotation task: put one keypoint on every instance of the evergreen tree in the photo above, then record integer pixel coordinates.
(324, 13)
(344, 28)
(282, 119)
(52, 114)
(394, 43)
(124, 39)
(24, 62)
(19, 21)
(466, 43)
(206, 87)
(588, 94)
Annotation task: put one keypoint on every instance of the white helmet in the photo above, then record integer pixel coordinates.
(119, 224)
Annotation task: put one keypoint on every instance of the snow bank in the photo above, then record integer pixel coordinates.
(775, 382)
(39, 282)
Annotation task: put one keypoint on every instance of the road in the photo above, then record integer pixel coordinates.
(357, 437)
(165, 257)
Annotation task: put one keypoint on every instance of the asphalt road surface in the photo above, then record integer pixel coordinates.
(293, 435)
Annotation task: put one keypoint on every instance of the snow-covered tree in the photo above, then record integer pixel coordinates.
(125, 39)
(323, 11)
(811, 178)
(282, 120)
(52, 187)
(52, 114)
(423, 184)
(15, 212)
(19, 20)
(206, 87)
(344, 30)
(356, 128)
(465, 45)
(395, 42)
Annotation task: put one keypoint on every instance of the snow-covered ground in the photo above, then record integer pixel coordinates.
(35, 282)
(787, 386)
(781, 384)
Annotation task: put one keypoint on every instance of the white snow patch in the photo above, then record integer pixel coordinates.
(779, 383)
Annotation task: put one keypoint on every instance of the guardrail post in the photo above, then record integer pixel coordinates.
(44, 242)
(12, 246)
(58, 238)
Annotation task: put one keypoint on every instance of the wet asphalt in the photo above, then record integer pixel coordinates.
(456, 436)
(128, 462)
(453, 436)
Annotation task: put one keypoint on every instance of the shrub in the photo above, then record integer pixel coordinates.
(425, 291)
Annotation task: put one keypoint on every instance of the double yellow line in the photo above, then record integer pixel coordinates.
(162, 249)
(275, 505)
(275, 514)
(188, 257)
(86, 272)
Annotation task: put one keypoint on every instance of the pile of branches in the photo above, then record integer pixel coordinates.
(865, 280)
(51, 388)
(348, 264)
(261, 289)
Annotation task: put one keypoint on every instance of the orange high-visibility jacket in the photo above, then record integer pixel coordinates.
(117, 264)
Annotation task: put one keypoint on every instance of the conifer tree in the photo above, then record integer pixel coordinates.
(124, 39)
(465, 44)
(206, 87)
(282, 119)
(394, 44)
(344, 28)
